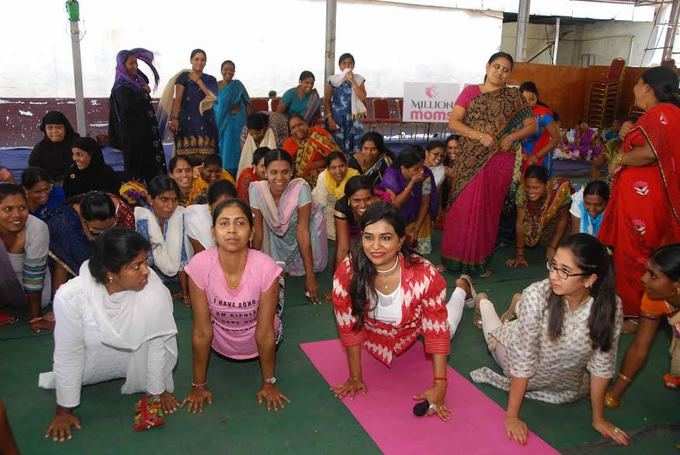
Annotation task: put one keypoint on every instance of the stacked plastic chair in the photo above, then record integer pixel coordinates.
(604, 96)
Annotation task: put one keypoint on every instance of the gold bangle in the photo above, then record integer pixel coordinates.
(624, 377)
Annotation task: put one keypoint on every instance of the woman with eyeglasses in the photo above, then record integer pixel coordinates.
(562, 345)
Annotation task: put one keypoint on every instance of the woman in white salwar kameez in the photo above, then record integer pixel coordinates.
(114, 320)
(198, 217)
(164, 227)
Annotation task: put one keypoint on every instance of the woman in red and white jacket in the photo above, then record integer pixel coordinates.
(384, 297)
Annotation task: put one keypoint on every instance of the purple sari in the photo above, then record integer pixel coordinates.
(394, 181)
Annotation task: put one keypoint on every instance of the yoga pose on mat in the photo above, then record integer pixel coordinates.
(384, 297)
(114, 320)
(236, 305)
(662, 283)
(564, 339)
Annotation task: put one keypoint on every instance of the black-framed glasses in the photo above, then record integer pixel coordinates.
(563, 274)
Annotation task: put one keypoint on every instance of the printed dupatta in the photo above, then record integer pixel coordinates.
(496, 113)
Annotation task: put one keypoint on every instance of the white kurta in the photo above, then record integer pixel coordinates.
(99, 337)
(198, 224)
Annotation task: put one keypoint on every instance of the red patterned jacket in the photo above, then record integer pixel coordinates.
(423, 313)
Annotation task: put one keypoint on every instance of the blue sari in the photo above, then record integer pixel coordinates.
(197, 135)
(349, 132)
(68, 242)
(230, 124)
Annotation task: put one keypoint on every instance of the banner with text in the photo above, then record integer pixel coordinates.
(429, 102)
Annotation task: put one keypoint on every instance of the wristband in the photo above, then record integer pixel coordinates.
(199, 386)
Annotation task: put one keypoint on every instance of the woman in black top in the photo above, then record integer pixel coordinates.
(89, 172)
(53, 152)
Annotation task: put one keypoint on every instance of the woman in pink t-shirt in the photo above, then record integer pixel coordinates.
(235, 302)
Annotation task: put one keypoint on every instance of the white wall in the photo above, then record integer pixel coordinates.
(608, 40)
(538, 36)
(271, 41)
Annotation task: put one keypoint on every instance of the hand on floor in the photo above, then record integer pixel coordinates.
(169, 403)
(350, 388)
(435, 396)
(271, 397)
(609, 430)
(60, 427)
(516, 430)
(197, 399)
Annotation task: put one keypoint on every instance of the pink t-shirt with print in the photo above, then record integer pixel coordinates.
(233, 312)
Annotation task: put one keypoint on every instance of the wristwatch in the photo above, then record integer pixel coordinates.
(271, 380)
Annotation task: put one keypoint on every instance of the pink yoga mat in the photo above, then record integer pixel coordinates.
(385, 412)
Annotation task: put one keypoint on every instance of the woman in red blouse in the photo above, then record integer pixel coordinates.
(384, 297)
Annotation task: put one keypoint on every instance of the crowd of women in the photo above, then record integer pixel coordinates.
(250, 198)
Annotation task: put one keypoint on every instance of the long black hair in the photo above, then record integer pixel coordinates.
(667, 258)
(113, 249)
(409, 157)
(591, 257)
(597, 188)
(357, 183)
(664, 83)
(362, 285)
(379, 142)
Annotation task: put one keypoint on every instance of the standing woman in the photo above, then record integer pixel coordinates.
(409, 186)
(188, 98)
(491, 119)
(373, 158)
(384, 298)
(302, 100)
(230, 113)
(344, 98)
(644, 211)
(54, 152)
(89, 172)
(537, 148)
(163, 226)
(289, 227)
(330, 187)
(133, 127)
(235, 304)
(562, 346)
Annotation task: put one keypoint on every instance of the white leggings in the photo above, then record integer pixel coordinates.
(490, 322)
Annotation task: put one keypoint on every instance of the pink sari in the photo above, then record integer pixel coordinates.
(484, 177)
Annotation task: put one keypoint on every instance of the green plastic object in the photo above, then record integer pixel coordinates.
(73, 10)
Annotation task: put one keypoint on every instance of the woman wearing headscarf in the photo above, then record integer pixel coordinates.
(53, 152)
(89, 172)
(133, 127)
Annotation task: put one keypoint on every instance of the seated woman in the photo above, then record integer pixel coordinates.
(235, 304)
(434, 161)
(205, 175)
(73, 227)
(302, 100)
(330, 187)
(537, 148)
(348, 210)
(587, 207)
(41, 196)
(54, 152)
(113, 321)
(662, 299)
(563, 343)
(308, 146)
(198, 218)
(289, 227)
(257, 134)
(410, 187)
(256, 171)
(384, 298)
(163, 226)
(89, 172)
(24, 242)
(542, 213)
(584, 145)
(373, 158)
(182, 172)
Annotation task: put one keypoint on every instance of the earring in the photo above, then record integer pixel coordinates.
(110, 278)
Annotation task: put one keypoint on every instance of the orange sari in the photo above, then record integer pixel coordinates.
(318, 145)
